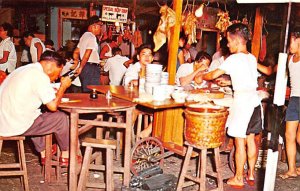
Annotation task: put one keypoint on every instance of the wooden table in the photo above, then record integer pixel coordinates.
(82, 104)
(168, 121)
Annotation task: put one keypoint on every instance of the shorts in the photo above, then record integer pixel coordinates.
(292, 112)
(255, 124)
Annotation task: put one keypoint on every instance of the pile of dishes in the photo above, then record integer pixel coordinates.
(153, 77)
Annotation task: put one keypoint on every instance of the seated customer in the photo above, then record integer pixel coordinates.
(144, 56)
(189, 74)
(22, 94)
(115, 67)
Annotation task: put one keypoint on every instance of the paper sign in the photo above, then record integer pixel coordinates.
(114, 14)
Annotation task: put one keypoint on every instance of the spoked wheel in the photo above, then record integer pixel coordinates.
(146, 153)
(232, 162)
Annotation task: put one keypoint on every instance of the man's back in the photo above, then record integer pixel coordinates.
(116, 69)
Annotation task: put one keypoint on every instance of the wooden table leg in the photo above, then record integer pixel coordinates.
(127, 146)
(73, 151)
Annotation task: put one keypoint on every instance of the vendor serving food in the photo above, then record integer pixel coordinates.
(245, 117)
(190, 74)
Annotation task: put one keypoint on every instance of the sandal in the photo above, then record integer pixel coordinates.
(287, 176)
(250, 182)
(53, 151)
(234, 186)
(64, 162)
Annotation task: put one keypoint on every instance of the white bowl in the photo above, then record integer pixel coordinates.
(179, 97)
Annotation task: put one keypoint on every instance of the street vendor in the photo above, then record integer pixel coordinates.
(189, 74)
(245, 117)
(292, 129)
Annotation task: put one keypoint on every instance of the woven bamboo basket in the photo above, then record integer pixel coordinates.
(205, 129)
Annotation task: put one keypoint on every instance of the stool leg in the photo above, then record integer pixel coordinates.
(203, 170)
(109, 183)
(22, 160)
(146, 120)
(119, 140)
(1, 143)
(57, 167)
(107, 132)
(184, 168)
(99, 135)
(139, 127)
(218, 165)
(85, 168)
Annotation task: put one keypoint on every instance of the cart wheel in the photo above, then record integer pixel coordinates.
(232, 162)
(144, 153)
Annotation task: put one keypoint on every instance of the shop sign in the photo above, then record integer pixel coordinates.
(73, 13)
(114, 14)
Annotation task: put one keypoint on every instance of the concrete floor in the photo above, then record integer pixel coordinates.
(172, 165)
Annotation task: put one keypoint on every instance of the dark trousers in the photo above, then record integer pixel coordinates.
(48, 123)
(90, 75)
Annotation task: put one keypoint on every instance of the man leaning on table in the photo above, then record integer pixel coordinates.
(22, 94)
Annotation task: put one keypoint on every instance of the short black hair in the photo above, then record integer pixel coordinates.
(8, 28)
(223, 46)
(240, 30)
(49, 42)
(202, 55)
(26, 34)
(115, 50)
(295, 32)
(144, 46)
(53, 56)
(93, 20)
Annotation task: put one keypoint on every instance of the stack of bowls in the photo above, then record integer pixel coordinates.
(153, 77)
(164, 78)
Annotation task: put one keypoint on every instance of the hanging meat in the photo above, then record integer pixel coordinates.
(137, 39)
(167, 20)
(224, 21)
(189, 27)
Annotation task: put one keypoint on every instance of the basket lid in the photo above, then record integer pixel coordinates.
(207, 107)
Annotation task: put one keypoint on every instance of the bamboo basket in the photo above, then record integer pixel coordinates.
(205, 129)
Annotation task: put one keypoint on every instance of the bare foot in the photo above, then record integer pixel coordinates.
(234, 182)
(298, 171)
(288, 175)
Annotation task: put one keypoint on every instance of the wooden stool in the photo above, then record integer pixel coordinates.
(91, 143)
(201, 176)
(20, 166)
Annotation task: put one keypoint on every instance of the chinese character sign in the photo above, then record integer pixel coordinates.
(73, 13)
(113, 14)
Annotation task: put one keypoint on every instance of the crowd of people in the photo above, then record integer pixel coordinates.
(231, 66)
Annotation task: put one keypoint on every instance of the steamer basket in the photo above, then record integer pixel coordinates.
(205, 129)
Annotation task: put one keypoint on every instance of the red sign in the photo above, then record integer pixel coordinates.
(73, 13)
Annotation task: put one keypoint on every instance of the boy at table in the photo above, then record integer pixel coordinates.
(292, 129)
(245, 117)
(22, 94)
(189, 73)
(144, 56)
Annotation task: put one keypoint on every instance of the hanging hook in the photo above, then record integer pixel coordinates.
(186, 5)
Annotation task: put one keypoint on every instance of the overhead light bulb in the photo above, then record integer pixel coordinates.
(199, 11)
